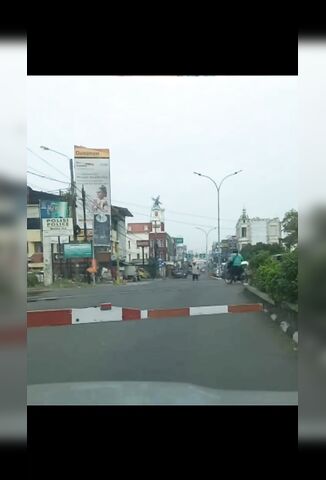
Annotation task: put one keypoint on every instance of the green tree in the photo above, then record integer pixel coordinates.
(290, 228)
(152, 267)
(250, 251)
(277, 278)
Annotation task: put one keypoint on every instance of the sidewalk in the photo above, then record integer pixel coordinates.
(54, 292)
(286, 315)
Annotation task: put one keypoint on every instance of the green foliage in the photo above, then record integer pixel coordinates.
(259, 259)
(279, 279)
(152, 267)
(249, 251)
(290, 227)
(32, 280)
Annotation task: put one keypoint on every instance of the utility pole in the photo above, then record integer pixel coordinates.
(84, 213)
(118, 265)
(73, 197)
(93, 264)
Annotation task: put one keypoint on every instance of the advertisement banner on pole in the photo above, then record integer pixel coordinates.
(92, 170)
(101, 230)
(53, 209)
(77, 250)
(56, 227)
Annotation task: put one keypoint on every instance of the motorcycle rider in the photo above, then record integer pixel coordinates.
(236, 266)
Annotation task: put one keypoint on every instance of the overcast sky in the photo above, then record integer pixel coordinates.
(160, 129)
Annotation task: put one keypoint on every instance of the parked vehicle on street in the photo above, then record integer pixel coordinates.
(179, 273)
(130, 273)
(142, 273)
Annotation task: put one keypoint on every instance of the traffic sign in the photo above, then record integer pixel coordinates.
(178, 240)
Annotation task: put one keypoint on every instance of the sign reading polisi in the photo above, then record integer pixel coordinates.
(55, 227)
(92, 170)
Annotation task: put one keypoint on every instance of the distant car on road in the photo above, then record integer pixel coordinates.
(178, 273)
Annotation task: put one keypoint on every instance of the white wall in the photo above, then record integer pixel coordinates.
(122, 238)
(258, 231)
(33, 211)
(274, 232)
(132, 250)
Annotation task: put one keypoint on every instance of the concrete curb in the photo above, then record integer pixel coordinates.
(285, 315)
(40, 299)
(37, 291)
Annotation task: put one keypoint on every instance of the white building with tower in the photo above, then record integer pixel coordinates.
(257, 230)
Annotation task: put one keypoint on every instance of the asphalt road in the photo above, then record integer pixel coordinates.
(226, 351)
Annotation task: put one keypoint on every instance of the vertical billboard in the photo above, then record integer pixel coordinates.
(101, 229)
(92, 170)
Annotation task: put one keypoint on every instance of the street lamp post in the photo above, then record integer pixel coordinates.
(218, 188)
(72, 187)
(206, 234)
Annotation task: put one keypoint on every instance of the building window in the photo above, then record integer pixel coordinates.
(33, 224)
(145, 228)
(243, 232)
(129, 244)
(38, 247)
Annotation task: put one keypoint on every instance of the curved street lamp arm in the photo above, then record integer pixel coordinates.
(227, 176)
(55, 151)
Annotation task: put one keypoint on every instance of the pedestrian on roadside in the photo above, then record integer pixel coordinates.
(195, 271)
(88, 276)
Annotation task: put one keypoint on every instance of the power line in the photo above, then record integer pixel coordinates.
(35, 170)
(175, 221)
(135, 204)
(137, 213)
(48, 163)
(176, 212)
(47, 178)
(130, 203)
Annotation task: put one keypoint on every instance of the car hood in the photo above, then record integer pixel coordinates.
(149, 393)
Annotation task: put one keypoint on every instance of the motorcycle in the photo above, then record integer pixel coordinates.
(242, 277)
